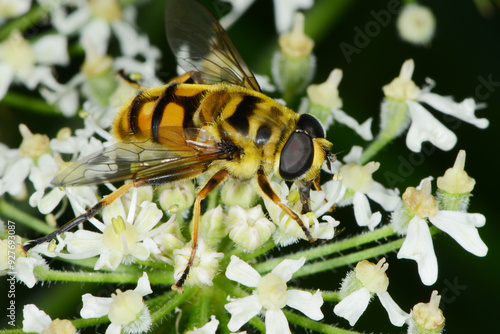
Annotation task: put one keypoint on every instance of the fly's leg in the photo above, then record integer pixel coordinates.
(265, 186)
(180, 174)
(90, 213)
(216, 180)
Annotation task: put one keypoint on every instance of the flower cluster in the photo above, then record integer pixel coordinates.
(249, 263)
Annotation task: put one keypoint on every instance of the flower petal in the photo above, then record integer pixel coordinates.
(34, 320)
(51, 49)
(287, 268)
(284, 11)
(397, 316)
(418, 246)
(363, 212)
(242, 310)
(113, 329)
(94, 307)
(353, 305)
(25, 267)
(143, 287)
(241, 272)
(461, 226)
(276, 322)
(306, 303)
(84, 243)
(363, 130)
(424, 127)
(147, 218)
(6, 77)
(389, 199)
(463, 110)
(113, 210)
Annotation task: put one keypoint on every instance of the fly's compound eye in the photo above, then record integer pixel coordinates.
(311, 125)
(297, 156)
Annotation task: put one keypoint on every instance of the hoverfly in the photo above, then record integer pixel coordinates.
(222, 125)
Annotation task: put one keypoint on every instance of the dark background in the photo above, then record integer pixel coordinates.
(463, 55)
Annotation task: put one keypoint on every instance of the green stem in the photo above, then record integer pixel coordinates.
(314, 325)
(169, 302)
(22, 101)
(331, 296)
(375, 146)
(45, 274)
(328, 249)
(17, 215)
(82, 323)
(344, 260)
(396, 116)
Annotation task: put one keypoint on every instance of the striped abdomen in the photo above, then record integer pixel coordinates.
(166, 106)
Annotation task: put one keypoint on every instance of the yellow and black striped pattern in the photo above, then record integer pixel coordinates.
(253, 122)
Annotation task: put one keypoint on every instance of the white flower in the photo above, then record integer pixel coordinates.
(28, 63)
(22, 268)
(416, 24)
(271, 294)
(209, 328)
(359, 286)
(249, 228)
(361, 186)
(20, 162)
(325, 103)
(37, 321)
(289, 230)
(411, 219)
(168, 240)
(180, 194)
(204, 268)
(424, 127)
(124, 236)
(126, 310)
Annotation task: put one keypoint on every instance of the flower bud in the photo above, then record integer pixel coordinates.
(455, 186)
(180, 193)
(294, 65)
(421, 202)
(358, 178)
(416, 24)
(325, 97)
(236, 192)
(427, 317)
(249, 228)
(212, 226)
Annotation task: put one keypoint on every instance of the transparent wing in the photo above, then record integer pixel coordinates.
(202, 45)
(177, 150)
